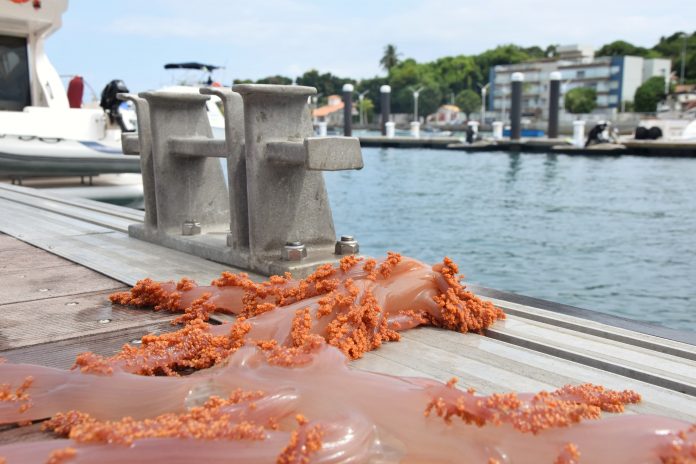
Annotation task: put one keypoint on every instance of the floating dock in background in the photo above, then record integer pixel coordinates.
(62, 257)
(538, 145)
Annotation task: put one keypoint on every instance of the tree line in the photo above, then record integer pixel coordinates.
(458, 79)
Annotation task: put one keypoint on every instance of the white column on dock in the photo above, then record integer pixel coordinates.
(415, 129)
(389, 129)
(579, 133)
(322, 128)
(498, 130)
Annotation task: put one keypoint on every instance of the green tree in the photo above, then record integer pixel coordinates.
(408, 75)
(672, 46)
(468, 101)
(580, 100)
(623, 48)
(373, 85)
(503, 54)
(277, 79)
(366, 108)
(390, 57)
(326, 83)
(457, 73)
(649, 94)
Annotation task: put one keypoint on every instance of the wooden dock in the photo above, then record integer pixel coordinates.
(60, 258)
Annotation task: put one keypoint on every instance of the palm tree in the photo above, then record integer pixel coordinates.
(390, 57)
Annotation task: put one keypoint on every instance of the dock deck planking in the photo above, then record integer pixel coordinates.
(40, 323)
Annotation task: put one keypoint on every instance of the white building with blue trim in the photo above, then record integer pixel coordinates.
(614, 78)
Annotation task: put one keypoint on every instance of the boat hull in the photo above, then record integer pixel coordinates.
(40, 157)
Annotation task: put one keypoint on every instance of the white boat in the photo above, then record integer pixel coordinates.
(41, 135)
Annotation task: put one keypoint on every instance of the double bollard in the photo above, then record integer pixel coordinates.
(270, 214)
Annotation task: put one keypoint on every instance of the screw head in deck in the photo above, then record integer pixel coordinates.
(293, 251)
(347, 245)
(191, 228)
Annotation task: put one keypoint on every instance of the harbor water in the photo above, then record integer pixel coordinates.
(611, 234)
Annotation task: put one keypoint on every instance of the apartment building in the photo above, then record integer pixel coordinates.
(615, 79)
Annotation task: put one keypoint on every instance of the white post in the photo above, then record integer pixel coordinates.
(416, 94)
(579, 133)
(389, 126)
(474, 126)
(498, 130)
(322, 128)
(484, 90)
(415, 129)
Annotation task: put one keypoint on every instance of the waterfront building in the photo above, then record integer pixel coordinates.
(614, 78)
(331, 113)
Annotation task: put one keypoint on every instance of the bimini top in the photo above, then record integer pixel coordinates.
(192, 65)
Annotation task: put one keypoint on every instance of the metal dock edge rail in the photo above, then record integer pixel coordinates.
(541, 345)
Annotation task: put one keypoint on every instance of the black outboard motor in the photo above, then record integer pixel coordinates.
(470, 135)
(111, 104)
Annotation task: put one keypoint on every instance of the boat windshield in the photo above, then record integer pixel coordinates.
(14, 74)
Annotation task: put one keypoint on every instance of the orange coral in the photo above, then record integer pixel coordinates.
(194, 347)
(301, 326)
(385, 269)
(207, 422)
(61, 456)
(681, 450)
(147, 292)
(304, 442)
(460, 309)
(358, 323)
(295, 356)
(348, 262)
(544, 410)
(19, 395)
(200, 309)
(569, 455)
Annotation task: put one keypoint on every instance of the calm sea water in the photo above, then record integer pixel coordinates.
(611, 234)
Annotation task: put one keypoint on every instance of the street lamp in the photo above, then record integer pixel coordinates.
(416, 93)
(360, 99)
(683, 58)
(483, 102)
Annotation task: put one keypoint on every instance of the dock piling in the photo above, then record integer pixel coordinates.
(554, 98)
(516, 106)
(348, 109)
(385, 103)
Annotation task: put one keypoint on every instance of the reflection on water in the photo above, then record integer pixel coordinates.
(514, 167)
(606, 233)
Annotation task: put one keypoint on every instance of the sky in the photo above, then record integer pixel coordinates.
(133, 39)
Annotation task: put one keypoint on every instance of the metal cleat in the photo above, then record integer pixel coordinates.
(141, 144)
(274, 217)
(287, 199)
(188, 183)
